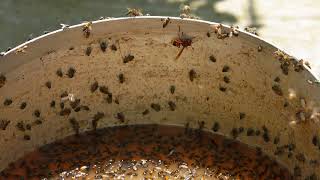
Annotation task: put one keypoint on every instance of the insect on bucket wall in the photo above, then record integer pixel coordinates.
(160, 70)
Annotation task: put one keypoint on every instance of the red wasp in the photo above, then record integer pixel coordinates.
(183, 40)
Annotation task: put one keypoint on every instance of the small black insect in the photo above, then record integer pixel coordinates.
(250, 132)
(172, 105)
(36, 113)
(59, 72)
(103, 46)
(104, 90)
(48, 84)
(94, 86)
(88, 50)
(223, 89)
(121, 78)
(52, 104)
(128, 58)
(96, 118)
(145, 112)
(212, 58)
(155, 107)
(26, 137)
(215, 127)
(7, 102)
(71, 72)
(23, 105)
(172, 89)
(3, 80)
(226, 79)
(120, 116)
(113, 47)
(192, 75)
(3, 124)
(225, 68)
(242, 115)
(277, 89)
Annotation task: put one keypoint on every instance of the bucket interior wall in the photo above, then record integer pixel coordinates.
(235, 82)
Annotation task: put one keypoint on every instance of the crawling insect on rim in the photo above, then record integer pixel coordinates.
(148, 79)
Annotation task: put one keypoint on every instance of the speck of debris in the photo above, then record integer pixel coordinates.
(116, 101)
(225, 68)
(259, 48)
(212, 58)
(71, 72)
(172, 89)
(59, 72)
(208, 34)
(120, 117)
(277, 79)
(286, 104)
(113, 47)
(48, 84)
(71, 48)
(291, 147)
(155, 107)
(94, 86)
(121, 78)
(103, 46)
(36, 113)
(65, 112)
(192, 75)
(145, 112)
(172, 105)
(52, 104)
(226, 79)
(26, 137)
(88, 50)
(277, 89)
(128, 58)
(7, 102)
(242, 115)
(3, 124)
(23, 105)
(276, 140)
(215, 127)
(3, 80)
(109, 98)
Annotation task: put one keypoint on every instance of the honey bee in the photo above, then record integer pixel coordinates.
(21, 50)
(218, 29)
(134, 12)
(251, 30)
(166, 22)
(86, 29)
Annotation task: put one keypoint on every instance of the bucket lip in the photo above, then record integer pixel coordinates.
(150, 17)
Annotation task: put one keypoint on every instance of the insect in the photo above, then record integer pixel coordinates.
(86, 29)
(218, 29)
(183, 41)
(166, 22)
(251, 30)
(134, 12)
(21, 49)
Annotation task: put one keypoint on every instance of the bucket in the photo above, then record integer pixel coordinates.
(218, 74)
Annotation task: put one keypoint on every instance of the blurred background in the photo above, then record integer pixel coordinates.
(292, 25)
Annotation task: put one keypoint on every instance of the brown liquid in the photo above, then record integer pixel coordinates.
(146, 152)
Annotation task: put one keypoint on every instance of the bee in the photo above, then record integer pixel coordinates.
(183, 41)
(86, 29)
(218, 29)
(234, 31)
(134, 12)
(251, 30)
(21, 50)
(166, 22)
(3, 124)
(64, 26)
